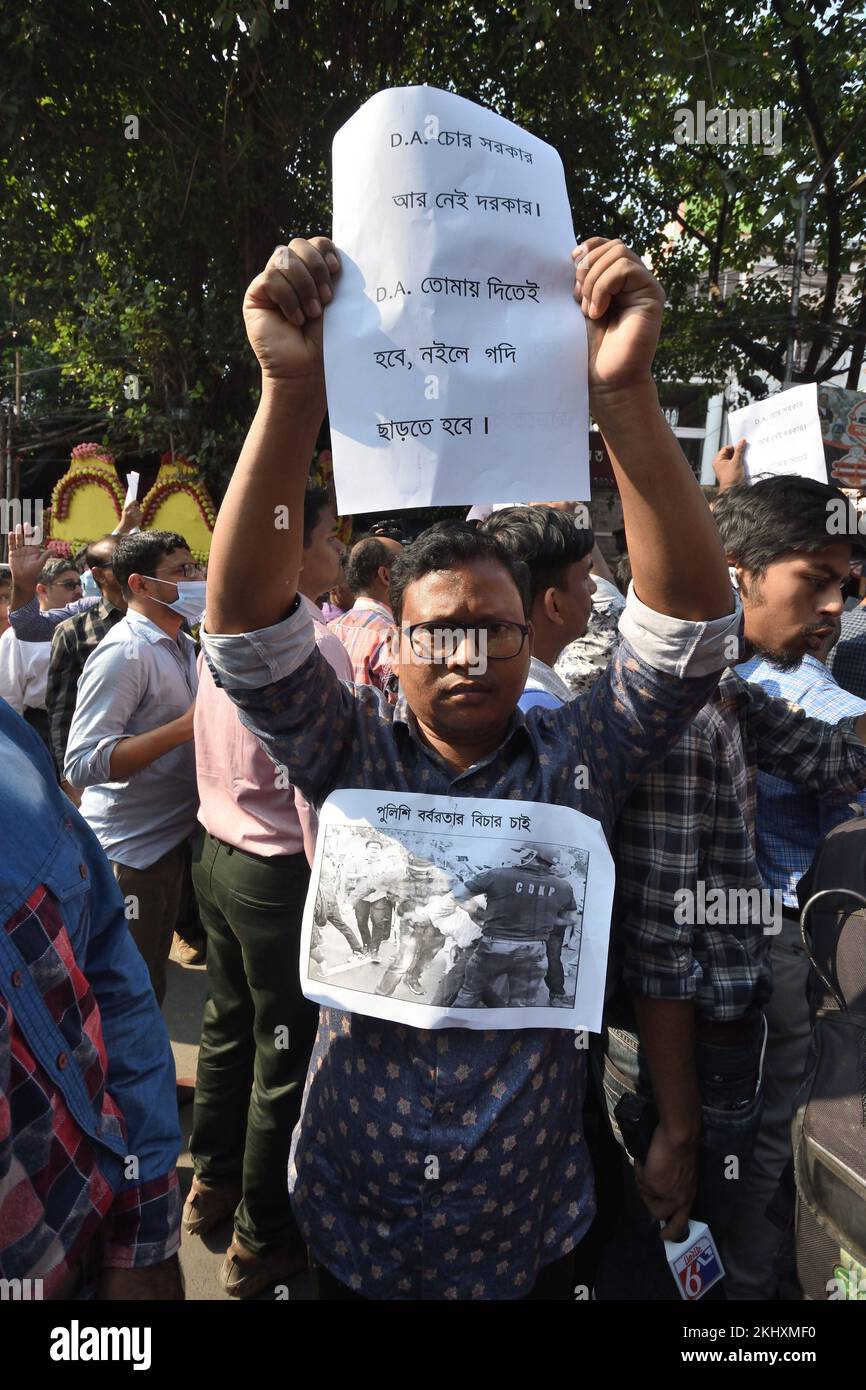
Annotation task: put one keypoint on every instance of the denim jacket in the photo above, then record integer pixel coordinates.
(46, 842)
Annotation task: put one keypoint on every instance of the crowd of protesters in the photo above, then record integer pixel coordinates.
(184, 729)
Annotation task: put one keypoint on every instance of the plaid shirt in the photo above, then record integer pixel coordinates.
(691, 820)
(500, 1111)
(791, 822)
(847, 660)
(366, 632)
(73, 641)
(86, 1073)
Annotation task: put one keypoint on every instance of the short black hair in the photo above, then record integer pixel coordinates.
(547, 540)
(141, 552)
(93, 548)
(762, 521)
(316, 499)
(365, 558)
(54, 566)
(446, 546)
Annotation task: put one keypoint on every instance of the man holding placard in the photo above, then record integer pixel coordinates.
(444, 1164)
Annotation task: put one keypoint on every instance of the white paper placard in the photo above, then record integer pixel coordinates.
(131, 488)
(455, 354)
(437, 911)
(783, 434)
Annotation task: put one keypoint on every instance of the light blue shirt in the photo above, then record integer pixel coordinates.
(136, 680)
(791, 821)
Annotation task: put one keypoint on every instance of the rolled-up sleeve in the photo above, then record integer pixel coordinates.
(679, 647)
(253, 659)
(109, 693)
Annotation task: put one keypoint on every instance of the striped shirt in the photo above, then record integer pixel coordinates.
(366, 632)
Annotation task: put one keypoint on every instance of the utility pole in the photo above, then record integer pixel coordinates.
(6, 463)
(805, 197)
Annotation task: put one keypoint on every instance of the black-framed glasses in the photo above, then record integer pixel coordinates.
(438, 641)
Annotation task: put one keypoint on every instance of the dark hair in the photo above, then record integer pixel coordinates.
(316, 499)
(92, 550)
(79, 559)
(547, 540)
(622, 572)
(365, 558)
(392, 530)
(141, 552)
(56, 565)
(446, 546)
(762, 521)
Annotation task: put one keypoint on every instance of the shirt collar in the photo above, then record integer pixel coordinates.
(405, 721)
(365, 604)
(147, 628)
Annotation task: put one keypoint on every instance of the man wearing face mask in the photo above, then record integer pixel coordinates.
(130, 745)
(75, 638)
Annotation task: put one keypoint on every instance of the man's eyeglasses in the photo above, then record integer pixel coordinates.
(181, 572)
(69, 584)
(499, 641)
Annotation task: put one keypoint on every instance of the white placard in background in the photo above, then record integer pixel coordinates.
(783, 433)
(131, 488)
(455, 354)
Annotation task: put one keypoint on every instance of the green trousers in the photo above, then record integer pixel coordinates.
(257, 1033)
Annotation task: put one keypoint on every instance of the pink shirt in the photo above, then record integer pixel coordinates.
(244, 799)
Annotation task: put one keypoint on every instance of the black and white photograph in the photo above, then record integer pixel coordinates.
(449, 908)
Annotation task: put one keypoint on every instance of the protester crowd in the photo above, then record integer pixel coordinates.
(184, 730)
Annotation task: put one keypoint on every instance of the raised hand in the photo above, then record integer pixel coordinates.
(623, 302)
(728, 465)
(283, 310)
(25, 556)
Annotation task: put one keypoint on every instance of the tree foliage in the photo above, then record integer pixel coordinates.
(130, 255)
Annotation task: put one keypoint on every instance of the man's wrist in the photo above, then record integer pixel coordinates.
(609, 405)
(683, 1132)
(22, 594)
(303, 397)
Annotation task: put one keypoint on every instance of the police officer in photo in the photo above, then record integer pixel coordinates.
(527, 904)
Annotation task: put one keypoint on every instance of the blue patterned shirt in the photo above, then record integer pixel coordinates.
(452, 1164)
(792, 821)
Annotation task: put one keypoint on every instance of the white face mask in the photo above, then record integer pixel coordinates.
(89, 586)
(190, 598)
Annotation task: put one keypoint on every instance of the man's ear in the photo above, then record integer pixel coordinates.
(135, 584)
(384, 575)
(550, 606)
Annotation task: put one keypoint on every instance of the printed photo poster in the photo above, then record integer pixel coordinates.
(455, 354)
(444, 912)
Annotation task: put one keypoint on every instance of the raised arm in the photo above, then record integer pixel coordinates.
(283, 314)
(678, 563)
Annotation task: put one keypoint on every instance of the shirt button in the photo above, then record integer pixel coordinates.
(17, 979)
(63, 1060)
(82, 869)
